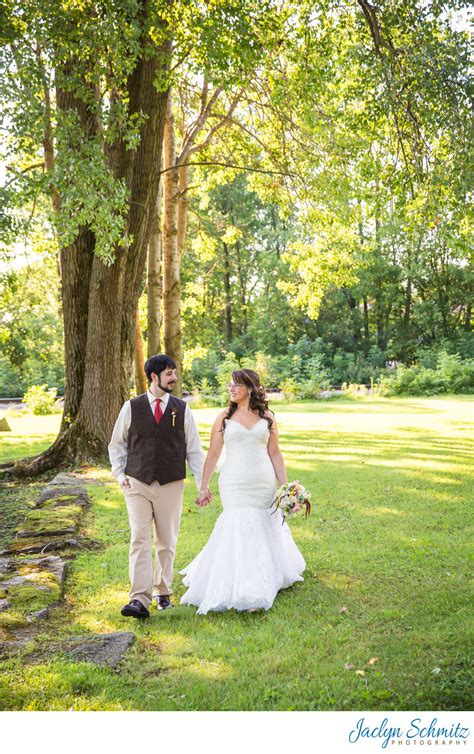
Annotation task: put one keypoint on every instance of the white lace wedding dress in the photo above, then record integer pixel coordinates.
(250, 555)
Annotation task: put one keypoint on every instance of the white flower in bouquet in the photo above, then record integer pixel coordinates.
(291, 498)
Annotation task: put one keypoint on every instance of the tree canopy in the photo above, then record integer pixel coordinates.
(324, 156)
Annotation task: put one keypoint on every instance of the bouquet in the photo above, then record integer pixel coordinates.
(291, 498)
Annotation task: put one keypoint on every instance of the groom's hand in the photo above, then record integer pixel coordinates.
(126, 484)
(204, 498)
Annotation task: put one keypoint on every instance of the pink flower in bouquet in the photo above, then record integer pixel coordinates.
(292, 498)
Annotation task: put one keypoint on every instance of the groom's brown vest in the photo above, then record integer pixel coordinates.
(156, 452)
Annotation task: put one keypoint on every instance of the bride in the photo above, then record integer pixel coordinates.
(250, 555)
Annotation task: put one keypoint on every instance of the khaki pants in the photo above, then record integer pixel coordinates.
(153, 507)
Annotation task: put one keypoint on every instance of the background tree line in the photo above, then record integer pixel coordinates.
(279, 182)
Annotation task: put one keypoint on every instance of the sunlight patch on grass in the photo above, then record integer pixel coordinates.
(90, 623)
(300, 533)
(175, 643)
(211, 670)
(109, 504)
(381, 511)
(31, 425)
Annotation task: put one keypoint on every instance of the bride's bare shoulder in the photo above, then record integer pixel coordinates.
(219, 418)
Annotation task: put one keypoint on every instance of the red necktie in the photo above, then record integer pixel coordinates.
(158, 412)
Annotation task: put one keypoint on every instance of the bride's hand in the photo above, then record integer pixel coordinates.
(204, 497)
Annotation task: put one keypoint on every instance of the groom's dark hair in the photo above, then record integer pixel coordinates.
(158, 364)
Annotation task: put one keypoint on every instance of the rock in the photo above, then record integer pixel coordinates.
(69, 480)
(23, 581)
(4, 425)
(50, 544)
(17, 580)
(51, 563)
(4, 605)
(50, 523)
(63, 496)
(101, 649)
(44, 532)
(11, 648)
(38, 615)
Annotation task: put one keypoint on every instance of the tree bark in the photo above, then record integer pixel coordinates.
(243, 291)
(183, 204)
(141, 384)
(171, 257)
(75, 262)
(228, 297)
(408, 302)
(467, 318)
(366, 318)
(155, 280)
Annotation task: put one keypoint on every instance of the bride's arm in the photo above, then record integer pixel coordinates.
(215, 449)
(275, 454)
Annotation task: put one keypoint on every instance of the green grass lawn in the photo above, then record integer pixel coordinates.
(380, 622)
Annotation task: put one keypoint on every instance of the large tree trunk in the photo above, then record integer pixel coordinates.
(75, 261)
(171, 258)
(99, 301)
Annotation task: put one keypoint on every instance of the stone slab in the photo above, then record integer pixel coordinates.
(11, 648)
(72, 495)
(99, 649)
(51, 563)
(45, 533)
(66, 479)
(50, 544)
(38, 615)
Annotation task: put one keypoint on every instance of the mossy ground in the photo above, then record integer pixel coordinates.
(386, 589)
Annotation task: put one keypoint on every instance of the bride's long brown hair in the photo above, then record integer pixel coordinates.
(258, 399)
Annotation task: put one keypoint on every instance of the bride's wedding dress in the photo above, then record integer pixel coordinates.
(250, 555)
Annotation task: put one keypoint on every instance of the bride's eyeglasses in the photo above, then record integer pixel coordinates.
(231, 385)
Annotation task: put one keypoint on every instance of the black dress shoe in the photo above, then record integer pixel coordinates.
(135, 609)
(162, 603)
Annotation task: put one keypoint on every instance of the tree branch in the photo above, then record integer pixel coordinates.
(22, 172)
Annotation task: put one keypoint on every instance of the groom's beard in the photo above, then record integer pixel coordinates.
(168, 388)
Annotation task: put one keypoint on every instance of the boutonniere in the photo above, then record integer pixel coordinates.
(173, 417)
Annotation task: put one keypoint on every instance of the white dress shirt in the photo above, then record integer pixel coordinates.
(118, 444)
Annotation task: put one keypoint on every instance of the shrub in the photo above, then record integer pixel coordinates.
(289, 388)
(354, 389)
(451, 375)
(41, 400)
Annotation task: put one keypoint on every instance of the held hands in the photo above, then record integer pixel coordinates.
(204, 497)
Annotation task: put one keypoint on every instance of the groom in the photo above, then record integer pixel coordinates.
(155, 433)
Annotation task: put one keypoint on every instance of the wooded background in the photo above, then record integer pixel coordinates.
(282, 184)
